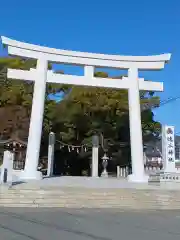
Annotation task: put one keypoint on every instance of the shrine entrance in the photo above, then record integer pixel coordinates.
(72, 160)
(70, 164)
(89, 61)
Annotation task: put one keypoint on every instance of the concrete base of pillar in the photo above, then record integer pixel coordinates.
(104, 174)
(50, 175)
(172, 170)
(25, 175)
(139, 179)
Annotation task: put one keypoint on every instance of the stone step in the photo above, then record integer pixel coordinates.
(137, 196)
(89, 202)
(86, 198)
(90, 198)
(93, 206)
(84, 190)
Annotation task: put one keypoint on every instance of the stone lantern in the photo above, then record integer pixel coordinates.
(105, 159)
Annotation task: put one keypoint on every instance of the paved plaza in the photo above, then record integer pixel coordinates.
(92, 183)
(83, 224)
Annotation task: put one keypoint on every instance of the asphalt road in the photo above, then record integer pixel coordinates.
(67, 224)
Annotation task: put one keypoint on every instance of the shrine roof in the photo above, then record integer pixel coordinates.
(11, 140)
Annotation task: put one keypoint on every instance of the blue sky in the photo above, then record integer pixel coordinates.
(131, 27)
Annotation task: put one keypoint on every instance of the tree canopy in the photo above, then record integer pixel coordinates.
(87, 111)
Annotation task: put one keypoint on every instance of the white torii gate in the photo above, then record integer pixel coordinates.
(41, 75)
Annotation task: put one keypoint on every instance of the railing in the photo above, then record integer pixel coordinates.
(18, 160)
(18, 165)
(123, 172)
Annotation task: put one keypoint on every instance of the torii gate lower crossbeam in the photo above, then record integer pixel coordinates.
(41, 75)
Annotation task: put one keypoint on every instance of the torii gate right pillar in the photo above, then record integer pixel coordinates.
(138, 174)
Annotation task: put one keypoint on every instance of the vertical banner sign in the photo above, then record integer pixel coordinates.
(168, 148)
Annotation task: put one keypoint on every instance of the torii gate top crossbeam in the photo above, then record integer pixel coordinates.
(86, 59)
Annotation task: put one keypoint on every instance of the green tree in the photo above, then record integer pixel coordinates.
(16, 99)
(99, 110)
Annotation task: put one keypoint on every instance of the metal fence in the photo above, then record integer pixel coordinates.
(18, 164)
(123, 172)
(19, 160)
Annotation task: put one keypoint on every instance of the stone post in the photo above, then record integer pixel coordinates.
(6, 175)
(95, 156)
(118, 171)
(51, 154)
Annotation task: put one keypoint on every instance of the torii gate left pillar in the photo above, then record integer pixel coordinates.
(35, 128)
(41, 75)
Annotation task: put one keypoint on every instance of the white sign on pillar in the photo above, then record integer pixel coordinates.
(168, 149)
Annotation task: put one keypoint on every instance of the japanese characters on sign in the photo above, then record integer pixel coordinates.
(170, 151)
